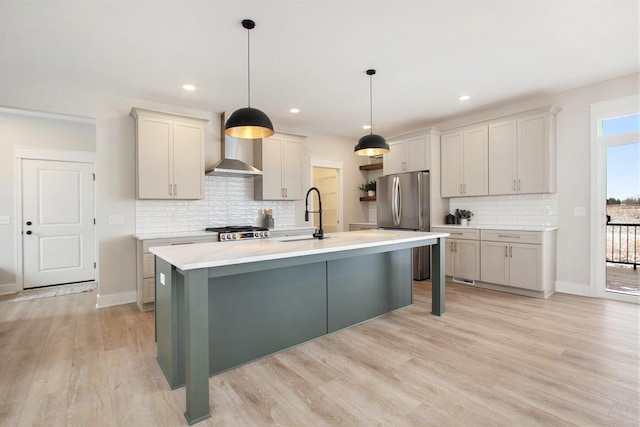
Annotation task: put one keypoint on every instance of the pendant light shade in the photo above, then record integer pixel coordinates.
(371, 145)
(248, 123)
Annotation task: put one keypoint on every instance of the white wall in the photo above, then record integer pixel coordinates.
(114, 143)
(115, 168)
(573, 169)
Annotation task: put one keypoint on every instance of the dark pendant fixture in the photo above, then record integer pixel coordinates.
(371, 145)
(248, 123)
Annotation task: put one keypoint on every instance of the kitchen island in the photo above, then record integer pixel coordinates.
(223, 304)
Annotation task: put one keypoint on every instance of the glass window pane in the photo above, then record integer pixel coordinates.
(621, 125)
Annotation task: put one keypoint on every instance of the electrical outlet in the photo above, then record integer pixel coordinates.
(162, 279)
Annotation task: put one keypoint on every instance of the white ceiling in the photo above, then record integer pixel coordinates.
(313, 54)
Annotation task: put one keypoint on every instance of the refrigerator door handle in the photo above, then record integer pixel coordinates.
(395, 206)
(399, 198)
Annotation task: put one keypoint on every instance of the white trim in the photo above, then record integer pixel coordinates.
(54, 154)
(9, 288)
(339, 166)
(121, 298)
(601, 111)
(22, 153)
(54, 116)
(574, 288)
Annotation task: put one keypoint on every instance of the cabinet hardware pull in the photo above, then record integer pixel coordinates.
(170, 190)
(460, 189)
(175, 189)
(456, 233)
(510, 251)
(514, 185)
(518, 185)
(182, 243)
(506, 251)
(512, 236)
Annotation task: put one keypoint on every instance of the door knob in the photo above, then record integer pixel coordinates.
(29, 223)
(28, 232)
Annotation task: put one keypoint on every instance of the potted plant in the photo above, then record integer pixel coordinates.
(369, 188)
(465, 217)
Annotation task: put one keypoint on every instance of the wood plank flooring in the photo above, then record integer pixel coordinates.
(494, 359)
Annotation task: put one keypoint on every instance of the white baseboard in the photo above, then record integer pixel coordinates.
(116, 299)
(573, 288)
(9, 288)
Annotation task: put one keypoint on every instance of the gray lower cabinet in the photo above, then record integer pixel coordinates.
(145, 269)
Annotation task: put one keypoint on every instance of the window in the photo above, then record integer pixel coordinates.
(622, 124)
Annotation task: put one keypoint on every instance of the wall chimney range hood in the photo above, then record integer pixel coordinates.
(230, 165)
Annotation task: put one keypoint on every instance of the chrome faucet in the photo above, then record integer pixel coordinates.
(319, 232)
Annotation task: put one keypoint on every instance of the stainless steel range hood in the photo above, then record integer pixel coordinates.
(230, 165)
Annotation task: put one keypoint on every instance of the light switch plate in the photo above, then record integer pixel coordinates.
(116, 219)
(5, 220)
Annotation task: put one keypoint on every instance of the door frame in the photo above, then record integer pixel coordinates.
(315, 162)
(601, 111)
(27, 153)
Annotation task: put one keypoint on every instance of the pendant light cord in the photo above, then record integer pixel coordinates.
(371, 104)
(248, 68)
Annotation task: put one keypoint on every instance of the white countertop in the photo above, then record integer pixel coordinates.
(177, 234)
(205, 255)
(499, 227)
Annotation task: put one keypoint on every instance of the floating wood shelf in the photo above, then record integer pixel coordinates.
(371, 167)
(368, 199)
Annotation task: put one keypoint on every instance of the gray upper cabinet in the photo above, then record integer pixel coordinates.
(522, 157)
(169, 155)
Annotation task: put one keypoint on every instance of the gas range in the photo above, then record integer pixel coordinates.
(240, 232)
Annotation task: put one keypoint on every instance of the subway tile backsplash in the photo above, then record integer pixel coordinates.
(227, 201)
(525, 210)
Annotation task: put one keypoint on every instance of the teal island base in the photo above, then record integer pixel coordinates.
(209, 320)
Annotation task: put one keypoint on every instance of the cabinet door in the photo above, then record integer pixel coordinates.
(495, 262)
(292, 171)
(188, 161)
(476, 161)
(451, 164)
(449, 257)
(394, 160)
(533, 154)
(525, 266)
(153, 154)
(149, 290)
(272, 188)
(467, 262)
(417, 154)
(502, 157)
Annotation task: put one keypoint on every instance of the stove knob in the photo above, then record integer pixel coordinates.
(261, 234)
(223, 237)
(234, 236)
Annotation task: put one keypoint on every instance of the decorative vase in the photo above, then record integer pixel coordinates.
(464, 222)
(371, 193)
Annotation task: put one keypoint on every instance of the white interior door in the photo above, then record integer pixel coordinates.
(58, 237)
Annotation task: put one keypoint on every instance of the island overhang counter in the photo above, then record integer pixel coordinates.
(220, 305)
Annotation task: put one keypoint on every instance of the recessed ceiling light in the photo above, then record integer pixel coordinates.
(464, 98)
(294, 110)
(190, 88)
(366, 127)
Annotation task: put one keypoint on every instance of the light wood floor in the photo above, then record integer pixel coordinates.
(493, 359)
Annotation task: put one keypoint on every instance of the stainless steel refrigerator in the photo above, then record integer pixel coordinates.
(403, 203)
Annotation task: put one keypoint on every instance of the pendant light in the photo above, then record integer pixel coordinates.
(248, 123)
(371, 145)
